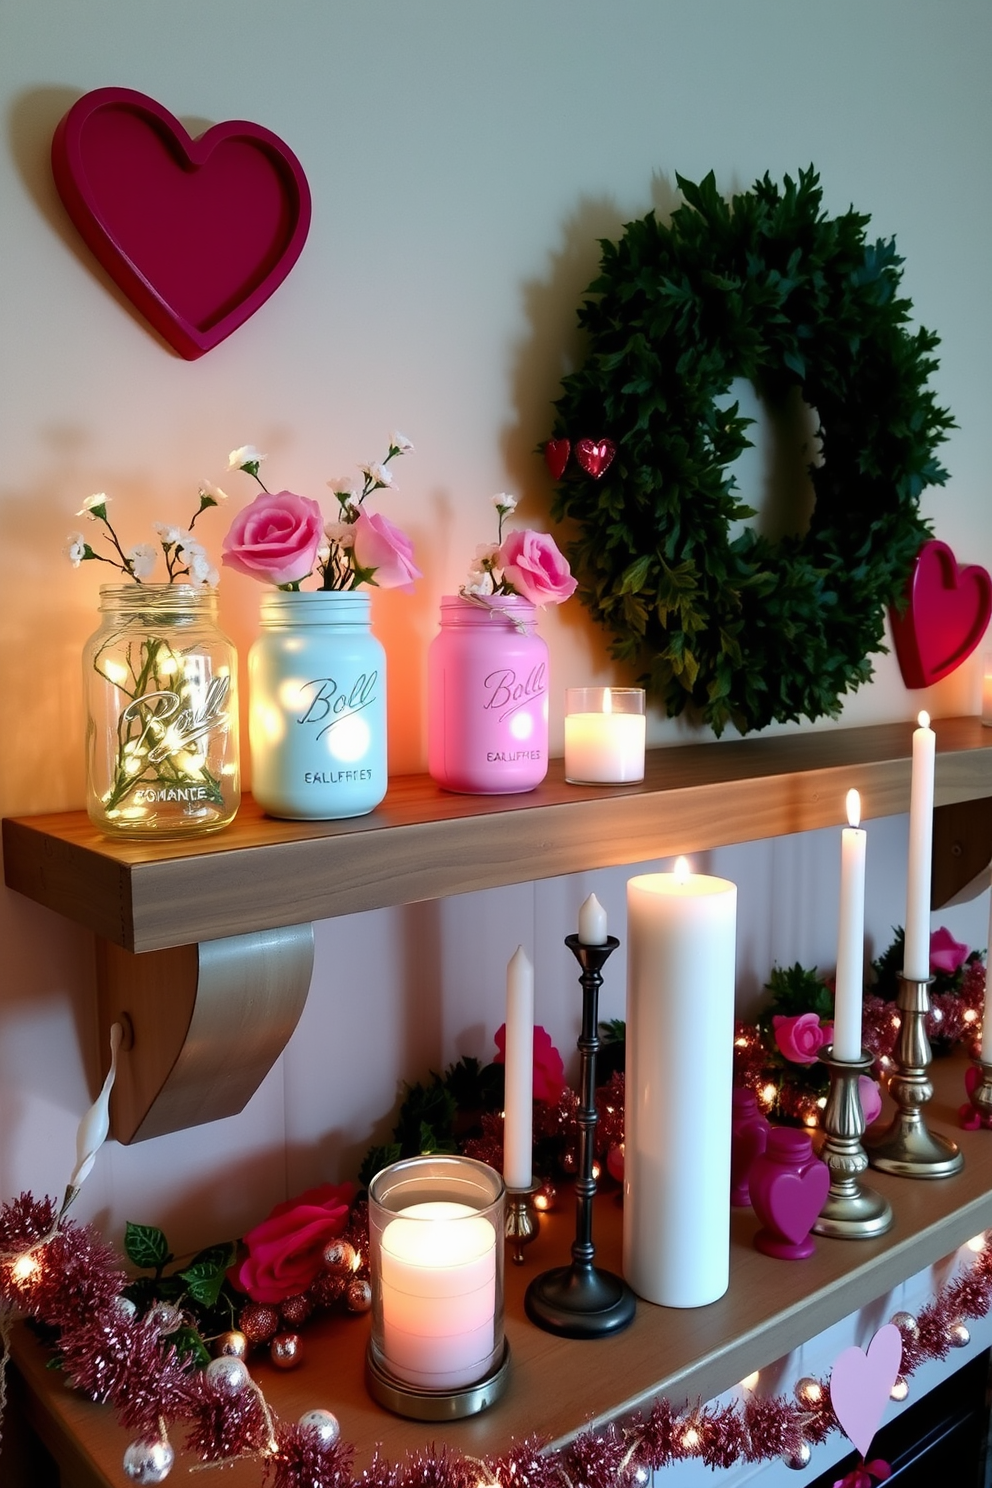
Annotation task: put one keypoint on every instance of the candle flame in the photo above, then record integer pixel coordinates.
(853, 808)
(607, 700)
(923, 719)
(681, 870)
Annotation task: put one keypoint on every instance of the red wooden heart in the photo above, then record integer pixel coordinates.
(795, 1199)
(595, 456)
(948, 610)
(556, 453)
(197, 233)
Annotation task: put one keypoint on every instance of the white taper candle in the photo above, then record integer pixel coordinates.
(916, 959)
(592, 922)
(519, 1069)
(850, 935)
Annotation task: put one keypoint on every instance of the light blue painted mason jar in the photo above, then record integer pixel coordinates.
(317, 706)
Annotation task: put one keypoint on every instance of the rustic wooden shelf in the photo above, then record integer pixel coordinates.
(423, 843)
(559, 1386)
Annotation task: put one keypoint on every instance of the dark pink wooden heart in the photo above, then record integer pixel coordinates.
(948, 610)
(197, 233)
(556, 453)
(794, 1200)
(595, 456)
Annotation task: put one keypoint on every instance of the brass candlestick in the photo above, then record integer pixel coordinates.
(851, 1212)
(581, 1301)
(906, 1147)
(981, 1096)
(521, 1225)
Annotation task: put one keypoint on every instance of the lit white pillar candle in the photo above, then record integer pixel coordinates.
(916, 959)
(592, 923)
(679, 1079)
(605, 733)
(518, 1097)
(850, 935)
(438, 1269)
(986, 1050)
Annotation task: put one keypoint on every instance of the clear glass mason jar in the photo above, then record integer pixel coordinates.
(160, 681)
(487, 712)
(317, 706)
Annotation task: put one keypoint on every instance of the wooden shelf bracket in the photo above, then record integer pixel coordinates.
(203, 1024)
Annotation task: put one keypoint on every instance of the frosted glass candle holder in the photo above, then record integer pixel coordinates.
(604, 735)
(436, 1256)
(987, 690)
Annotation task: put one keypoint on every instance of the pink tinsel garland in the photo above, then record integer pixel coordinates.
(75, 1290)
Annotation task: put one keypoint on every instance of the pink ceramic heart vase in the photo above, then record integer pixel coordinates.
(948, 610)
(860, 1385)
(794, 1200)
(197, 233)
(595, 456)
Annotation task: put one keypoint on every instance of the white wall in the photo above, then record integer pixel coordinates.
(463, 161)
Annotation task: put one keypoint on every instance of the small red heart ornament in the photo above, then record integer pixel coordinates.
(556, 453)
(198, 233)
(794, 1200)
(948, 611)
(860, 1384)
(595, 456)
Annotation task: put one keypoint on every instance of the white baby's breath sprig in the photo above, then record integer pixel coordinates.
(185, 557)
(246, 458)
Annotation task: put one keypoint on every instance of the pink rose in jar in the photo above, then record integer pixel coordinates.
(284, 1251)
(549, 1071)
(801, 1038)
(380, 546)
(275, 538)
(870, 1097)
(532, 564)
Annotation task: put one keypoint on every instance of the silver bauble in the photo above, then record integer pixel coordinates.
(339, 1255)
(164, 1317)
(227, 1375)
(286, 1350)
(905, 1322)
(809, 1393)
(231, 1345)
(799, 1458)
(322, 1426)
(958, 1335)
(124, 1307)
(148, 1460)
(900, 1389)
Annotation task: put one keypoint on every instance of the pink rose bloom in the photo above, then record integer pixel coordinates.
(947, 954)
(802, 1037)
(276, 538)
(871, 1098)
(380, 545)
(284, 1251)
(549, 1072)
(533, 565)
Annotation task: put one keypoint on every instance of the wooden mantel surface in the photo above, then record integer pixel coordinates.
(423, 843)
(559, 1386)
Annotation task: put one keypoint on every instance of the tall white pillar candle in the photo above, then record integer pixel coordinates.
(518, 1098)
(986, 1050)
(916, 960)
(850, 935)
(679, 1078)
(592, 922)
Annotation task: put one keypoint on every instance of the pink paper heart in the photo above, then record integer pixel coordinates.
(197, 233)
(795, 1199)
(556, 453)
(860, 1384)
(595, 456)
(949, 608)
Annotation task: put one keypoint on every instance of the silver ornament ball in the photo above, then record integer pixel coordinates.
(227, 1375)
(958, 1335)
(809, 1392)
(148, 1460)
(322, 1426)
(124, 1307)
(905, 1322)
(799, 1458)
(231, 1345)
(286, 1350)
(164, 1317)
(900, 1389)
(339, 1255)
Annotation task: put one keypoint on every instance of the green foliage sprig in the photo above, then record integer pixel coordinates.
(199, 1288)
(737, 628)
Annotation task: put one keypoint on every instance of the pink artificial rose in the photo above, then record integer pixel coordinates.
(871, 1098)
(380, 545)
(284, 1251)
(802, 1037)
(947, 954)
(549, 1072)
(533, 565)
(275, 538)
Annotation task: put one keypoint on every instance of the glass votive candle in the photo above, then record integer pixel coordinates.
(987, 690)
(604, 735)
(436, 1256)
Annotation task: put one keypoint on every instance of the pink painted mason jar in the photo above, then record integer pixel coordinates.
(487, 714)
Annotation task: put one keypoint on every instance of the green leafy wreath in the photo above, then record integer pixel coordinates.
(738, 628)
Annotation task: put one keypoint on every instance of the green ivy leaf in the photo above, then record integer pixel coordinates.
(204, 1276)
(146, 1246)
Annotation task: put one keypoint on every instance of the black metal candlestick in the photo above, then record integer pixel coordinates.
(580, 1301)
